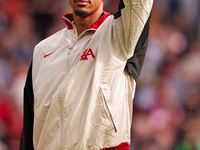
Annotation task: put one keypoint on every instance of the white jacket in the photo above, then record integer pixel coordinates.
(82, 95)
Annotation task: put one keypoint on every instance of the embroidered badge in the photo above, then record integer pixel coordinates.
(87, 53)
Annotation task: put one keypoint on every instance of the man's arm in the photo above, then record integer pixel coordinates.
(135, 63)
(26, 142)
(132, 27)
(130, 19)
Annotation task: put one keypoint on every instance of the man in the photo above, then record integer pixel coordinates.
(80, 86)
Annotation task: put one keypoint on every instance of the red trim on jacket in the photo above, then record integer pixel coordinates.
(122, 146)
(69, 16)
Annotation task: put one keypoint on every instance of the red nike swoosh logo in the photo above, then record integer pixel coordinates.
(48, 54)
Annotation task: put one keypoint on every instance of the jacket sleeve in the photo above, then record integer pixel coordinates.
(135, 63)
(131, 18)
(26, 142)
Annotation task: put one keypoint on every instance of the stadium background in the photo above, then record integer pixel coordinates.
(167, 103)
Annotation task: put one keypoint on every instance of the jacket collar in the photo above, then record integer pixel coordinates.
(68, 19)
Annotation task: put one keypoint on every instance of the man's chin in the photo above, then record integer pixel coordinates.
(81, 13)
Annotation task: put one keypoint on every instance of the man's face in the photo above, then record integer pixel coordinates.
(84, 8)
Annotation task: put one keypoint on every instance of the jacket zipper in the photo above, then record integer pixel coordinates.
(108, 110)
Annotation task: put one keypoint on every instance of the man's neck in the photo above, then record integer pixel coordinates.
(83, 23)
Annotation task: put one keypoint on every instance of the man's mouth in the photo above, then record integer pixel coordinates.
(82, 2)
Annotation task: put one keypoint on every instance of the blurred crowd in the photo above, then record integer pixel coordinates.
(167, 101)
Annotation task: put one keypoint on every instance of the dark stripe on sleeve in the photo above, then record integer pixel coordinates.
(120, 7)
(26, 142)
(134, 64)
